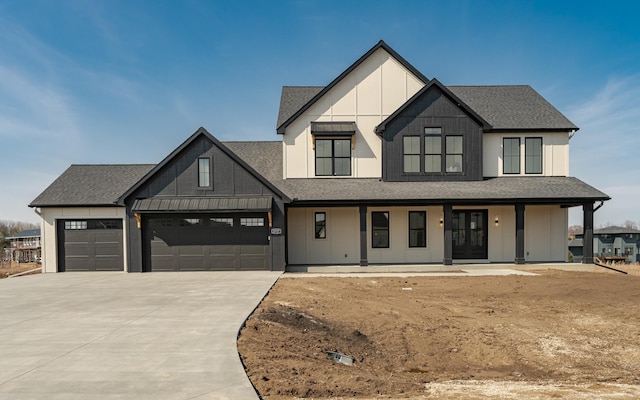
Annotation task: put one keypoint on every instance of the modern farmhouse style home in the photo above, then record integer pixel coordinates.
(381, 166)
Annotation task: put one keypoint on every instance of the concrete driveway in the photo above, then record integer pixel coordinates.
(126, 336)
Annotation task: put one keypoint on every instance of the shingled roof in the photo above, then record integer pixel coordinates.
(512, 107)
(266, 159)
(91, 185)
(503, 107)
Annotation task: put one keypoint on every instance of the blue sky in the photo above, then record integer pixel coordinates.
(128, 81)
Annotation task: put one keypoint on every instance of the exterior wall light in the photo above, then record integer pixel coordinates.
(441, 221)
(497, 221)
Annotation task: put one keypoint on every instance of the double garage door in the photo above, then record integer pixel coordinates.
(90, 245)
(206, 242)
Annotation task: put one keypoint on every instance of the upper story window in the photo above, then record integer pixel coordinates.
(441, 152)
(533, 155)
(333, 157)
(333, 142)
(454, 154)
(204, 172)
(511, 155)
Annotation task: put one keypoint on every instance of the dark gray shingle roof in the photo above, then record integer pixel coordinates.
(614, 230)
(512, 107)
(504, 107)
(266, 159)
(25, 234)
(293, 98)
(91, 185)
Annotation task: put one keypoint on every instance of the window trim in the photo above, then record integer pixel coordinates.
(333, 157)
(418, 155)
(526, 171)
(447, 153)
(423, 229)
(519, 164)
(323, 234)
(387, 230)
(201, 171)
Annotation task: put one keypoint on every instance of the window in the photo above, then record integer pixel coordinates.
(160, 223)
(380, 229)
(220, 222)
(511, 155)
(190, 222)
(107, 224)
(333, 157)
(628, 251)
(320, 225)
(204, 172)
(417, 229)
(432, 154)
(411, 153)
(533, 155)
(251, 221)
(453, 158)
(75, 225)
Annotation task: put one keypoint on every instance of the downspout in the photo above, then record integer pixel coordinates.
(600, 205)
(571, 133)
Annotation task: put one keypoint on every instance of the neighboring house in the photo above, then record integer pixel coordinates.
(616, 243)
(381, 166)
(575, 248)
(25, 246)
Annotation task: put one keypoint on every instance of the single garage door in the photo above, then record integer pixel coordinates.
(206, 242)
(90, 245)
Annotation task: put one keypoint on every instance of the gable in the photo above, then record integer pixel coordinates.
(337, 91)
(432, 108)
(177, 174)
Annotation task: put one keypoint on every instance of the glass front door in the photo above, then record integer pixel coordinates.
(469, 234)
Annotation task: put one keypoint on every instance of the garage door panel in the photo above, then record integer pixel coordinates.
(207, 242)
(90, 245)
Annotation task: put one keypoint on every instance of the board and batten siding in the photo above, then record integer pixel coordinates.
(555, 153)
(48, 223)
(366, 96)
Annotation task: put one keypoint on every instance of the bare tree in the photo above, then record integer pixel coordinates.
(630, 224)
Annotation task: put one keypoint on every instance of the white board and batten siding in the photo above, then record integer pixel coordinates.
(368, 95)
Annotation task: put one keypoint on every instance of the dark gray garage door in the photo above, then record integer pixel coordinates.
(206, 242)
(90, 245)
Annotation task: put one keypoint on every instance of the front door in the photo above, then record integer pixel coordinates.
(469, 234)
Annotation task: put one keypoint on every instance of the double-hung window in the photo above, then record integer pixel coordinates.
(333, 157)
(417, 229)
(453, 158)
(511, 155)
(204, 172)
(380, 229)
(432, 150)
(533, 155)
(411, 154)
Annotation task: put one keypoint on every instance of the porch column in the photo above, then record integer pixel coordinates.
(363, 236)
(587, 241)
(519, 234)
(448, 238)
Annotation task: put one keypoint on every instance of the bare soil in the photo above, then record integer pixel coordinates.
(8, 268)
(573, 335)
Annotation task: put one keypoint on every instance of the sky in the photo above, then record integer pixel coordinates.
(125, 82)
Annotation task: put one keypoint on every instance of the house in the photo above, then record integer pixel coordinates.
(381, 166)
(615, 243)
(25, 246)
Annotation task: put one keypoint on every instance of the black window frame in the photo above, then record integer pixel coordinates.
(377, 229)
(201, 171)
(423, 229)
(432, 154)
(527, 156)
(333, 156)
(511, 156)
(448, 153)
(322, 233)
(415, 154)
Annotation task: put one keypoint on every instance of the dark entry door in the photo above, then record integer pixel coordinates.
(469, 234)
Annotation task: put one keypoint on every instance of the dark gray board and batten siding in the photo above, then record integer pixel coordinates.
(177, 177)
(432, 109)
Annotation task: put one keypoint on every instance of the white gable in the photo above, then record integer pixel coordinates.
(367, 95)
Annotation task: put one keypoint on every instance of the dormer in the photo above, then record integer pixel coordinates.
(434, 136)
(329, 131)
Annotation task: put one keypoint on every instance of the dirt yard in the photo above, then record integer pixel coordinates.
(9, 268)
(556, 335)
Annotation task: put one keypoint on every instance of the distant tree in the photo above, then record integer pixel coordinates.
(8, 228)
(630, 224)
(574, 230)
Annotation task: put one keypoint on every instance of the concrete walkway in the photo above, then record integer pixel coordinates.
(126, 336)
